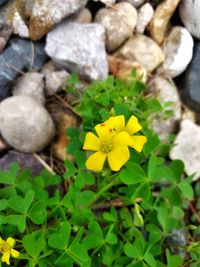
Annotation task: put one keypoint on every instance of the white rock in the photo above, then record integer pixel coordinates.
(186, 148)
(119, 23)
(135, 3)
(19, 26)
(145, 14)
(83, 16)
(25, 124)
(32, 85)
(189, 12)
(55, 81)
(178, 50)
(144, 50)
(106, 2)
(165, 90)
(79, 48)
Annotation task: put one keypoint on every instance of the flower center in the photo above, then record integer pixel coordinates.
(106, 146)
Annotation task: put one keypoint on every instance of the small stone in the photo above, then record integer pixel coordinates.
(122, 69)
(3, 1)
(165, 90)
(106, 2)
(186, 148)
(19, 26)
(83, 16)
(55, 81)
(19, 55)
(32, 85)
(24, 160)
(6, 28)
(25, 124)
(142, 49)
(119, 22)
(160, 22)
(79, 48)
(3, 146)
(178, 50)
(189, 12)
(46, 14)
(145, 14)
(135, 3)
(191, 80)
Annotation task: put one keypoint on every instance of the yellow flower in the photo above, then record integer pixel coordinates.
(108, 145)
(131, 128)
(6, 248)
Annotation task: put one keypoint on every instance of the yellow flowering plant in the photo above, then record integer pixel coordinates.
(6, 249)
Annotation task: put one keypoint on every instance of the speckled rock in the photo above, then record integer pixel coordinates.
(79, 48)
(119, 22)
(160, 22)
(135, 3)
(46, 14)
(19, 26)
(16, 57)
(25, 124)
(165, 90)
(186, 148)
(189, 12)
(145, 14)
(178, 50)
(55, 81)
(31, 84)
(6, 28)
(144, 50)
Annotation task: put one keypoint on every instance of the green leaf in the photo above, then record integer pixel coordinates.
(85, 198)
(34, 243)
(18, 220)
(173, 261)
(16, 203)
(70, 169)
(95, 236)
(37, 212)
(111, 238)
(186, 190)
(132, 174)
(177, 169)
(110, 216)
(8, 177)
(149, 258)
(3, 204)
(60, 239)
(142, 191)
(152, 142)
(138, 219)
(131, 251)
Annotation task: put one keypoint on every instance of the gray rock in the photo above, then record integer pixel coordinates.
(191, 80)
(24, 160)
(46, 14)
(135, 3)
(3, 1)
(25, 124)
(55, 81)
(119, 23)
(186, 148)
(178, 50)
(18, 56)
(6, 28)
(189, 12)
(79, 48)
(177, 242)
(31, 84)
(165, 90)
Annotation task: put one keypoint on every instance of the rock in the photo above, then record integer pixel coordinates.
(83, 16)
(46, 14)
(119, 23)
(135, 3)
(79, 48)
(106, 2)
(64, 118)
(3, 1)
(177, 241)
(186, 150)
(6, 28)
(24, 160)
(145, 14)
(142, 49)
(25, 124)
(19, 55)
(3, 146)
(31, 84)
(160, 22)
(191, 80)
(178, 50)
(189, 12)
(55, 81)
(19, 26)
(165, 90)
(122, 68)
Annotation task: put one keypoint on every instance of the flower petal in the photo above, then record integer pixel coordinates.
(133, 125)
(118, 157)
(118, 122)
(6, 257)
(121, 139)
(138, 142)
(96, 161)
(92, 142)
(105, 130)
(14, 253)
(10, 241)
(2, 242)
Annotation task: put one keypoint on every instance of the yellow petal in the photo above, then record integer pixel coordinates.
(6, 257)
(96, 161)
(121, 139)
(104, 130)
(10, 241)
(118, 157)
(138, 142)
(118, 122)
(14, 253)
(92, 142)
(133, 125)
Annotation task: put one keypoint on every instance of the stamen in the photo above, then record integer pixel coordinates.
(106, 146)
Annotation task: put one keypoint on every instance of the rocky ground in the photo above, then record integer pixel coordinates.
(42, 42)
